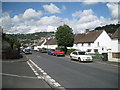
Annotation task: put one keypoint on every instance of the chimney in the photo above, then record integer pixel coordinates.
(87, 30)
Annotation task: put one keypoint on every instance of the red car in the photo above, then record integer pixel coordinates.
(59, 53)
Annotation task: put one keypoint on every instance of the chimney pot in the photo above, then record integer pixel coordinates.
(87, 30)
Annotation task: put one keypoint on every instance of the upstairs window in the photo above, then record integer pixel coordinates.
(89, 44)
(82, 44)
(98, 44)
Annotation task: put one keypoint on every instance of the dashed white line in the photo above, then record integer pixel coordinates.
(35, 72)
(45, 76)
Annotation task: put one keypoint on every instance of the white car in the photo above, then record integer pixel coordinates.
(27, 51)
(80, 56)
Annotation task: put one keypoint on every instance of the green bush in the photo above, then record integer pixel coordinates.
(70, 50)
(60, 47)
(97, 56)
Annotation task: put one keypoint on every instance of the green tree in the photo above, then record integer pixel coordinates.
(64, 36)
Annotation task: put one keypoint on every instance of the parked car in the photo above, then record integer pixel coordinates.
(80, 56)
(27, 51)
(59, 53)
(50, 51)
(43, 50)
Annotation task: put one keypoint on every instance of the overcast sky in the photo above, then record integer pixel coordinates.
(30, 17)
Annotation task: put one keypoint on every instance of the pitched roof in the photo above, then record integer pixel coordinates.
(51, 41)
(90, 36)
(40, 43)
(117, 33)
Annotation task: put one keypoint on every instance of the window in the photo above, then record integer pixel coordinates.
(95, 50)
(98, 43)
(75, 53)
(102, 48)
(76, 45)
(115, 55)
(89, 44)
(82, 44)
(89, 50)
(82, 53)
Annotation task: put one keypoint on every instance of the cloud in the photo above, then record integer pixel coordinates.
(82, 20)
(31, 13)
(114, 9)
(92, 2)
(79, 14)
(52, 8)
(52, 20)
(89, 3)
(86, 19)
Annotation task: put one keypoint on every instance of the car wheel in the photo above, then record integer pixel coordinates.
(79, 59)
(71, 57)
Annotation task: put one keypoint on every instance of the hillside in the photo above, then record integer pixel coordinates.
(29, 38)
(32, 36)
(109, 28)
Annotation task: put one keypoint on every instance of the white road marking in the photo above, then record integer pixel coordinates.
(13, 75)
(39, 77)
(46, 77)
(35, 72)
(57, 84)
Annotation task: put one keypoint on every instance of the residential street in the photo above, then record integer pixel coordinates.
(73, 74)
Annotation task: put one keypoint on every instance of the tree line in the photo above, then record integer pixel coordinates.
(14, 43)
(109, 28)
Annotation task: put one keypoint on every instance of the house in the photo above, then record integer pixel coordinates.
(92, 41)
(51, 43)
(114, 55)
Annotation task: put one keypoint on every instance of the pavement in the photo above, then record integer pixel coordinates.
(16, 73)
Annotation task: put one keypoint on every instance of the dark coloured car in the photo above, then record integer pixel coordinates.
(50, 51)
(43, 50)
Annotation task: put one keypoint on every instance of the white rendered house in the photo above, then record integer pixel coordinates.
(93, 41)
(114, 55)
(51, 43)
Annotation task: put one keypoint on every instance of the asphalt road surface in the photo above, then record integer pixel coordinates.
(73, 74)
(20, 75)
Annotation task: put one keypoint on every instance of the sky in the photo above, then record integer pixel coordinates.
(31, 17)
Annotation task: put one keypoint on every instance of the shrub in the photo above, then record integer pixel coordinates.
(97, 56)
(60, 47)
(69, 51)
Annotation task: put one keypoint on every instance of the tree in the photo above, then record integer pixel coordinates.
(64, 36)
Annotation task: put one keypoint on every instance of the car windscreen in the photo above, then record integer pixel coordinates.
(60, 51)
(81, 53)
(52, 50)
(27, 50)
